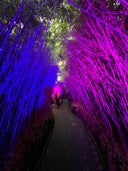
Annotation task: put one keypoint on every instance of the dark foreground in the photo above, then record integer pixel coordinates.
(71, 148)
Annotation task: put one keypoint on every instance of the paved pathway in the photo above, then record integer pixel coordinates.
(71, 148)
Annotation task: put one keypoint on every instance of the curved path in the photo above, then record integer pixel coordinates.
(71, 148)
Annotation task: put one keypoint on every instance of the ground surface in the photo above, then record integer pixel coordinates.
(71, 148)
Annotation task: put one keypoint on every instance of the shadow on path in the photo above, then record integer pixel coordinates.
(71, 147)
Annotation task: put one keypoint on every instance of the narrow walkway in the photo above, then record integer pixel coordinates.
(71, 148)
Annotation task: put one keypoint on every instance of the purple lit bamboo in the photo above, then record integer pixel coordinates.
(98, 67)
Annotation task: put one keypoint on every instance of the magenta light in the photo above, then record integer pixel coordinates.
(57, 89)
(98, 67)
(103, 15)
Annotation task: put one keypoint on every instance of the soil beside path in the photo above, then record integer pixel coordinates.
(71, 147)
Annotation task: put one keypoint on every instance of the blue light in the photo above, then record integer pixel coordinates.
(26, 71)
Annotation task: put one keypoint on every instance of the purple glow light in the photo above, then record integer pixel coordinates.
(98, 71)
(57, 89)
(103, 15)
